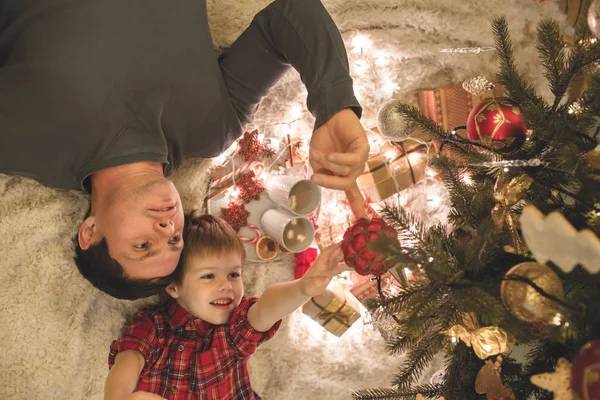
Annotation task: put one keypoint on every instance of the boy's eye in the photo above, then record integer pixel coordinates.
(175, 239)
(234, 275)
(143, 246)
(207, 276)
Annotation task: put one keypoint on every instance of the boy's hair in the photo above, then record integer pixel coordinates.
(206, 235)
(106, 274)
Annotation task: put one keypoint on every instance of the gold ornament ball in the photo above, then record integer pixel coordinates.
(524, 301)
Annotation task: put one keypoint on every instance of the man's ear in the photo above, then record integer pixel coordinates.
(172, 290)
(86, 232)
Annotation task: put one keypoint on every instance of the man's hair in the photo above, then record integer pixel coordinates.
(206, 235)
(106, 274)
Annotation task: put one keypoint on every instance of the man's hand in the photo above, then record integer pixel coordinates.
(338, 152)
(328, 264)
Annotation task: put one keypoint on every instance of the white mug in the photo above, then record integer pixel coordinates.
(294, 232)
(298, 195)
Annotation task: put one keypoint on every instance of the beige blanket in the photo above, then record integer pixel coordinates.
(55, 329)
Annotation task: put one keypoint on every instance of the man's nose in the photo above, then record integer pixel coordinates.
(165, 227)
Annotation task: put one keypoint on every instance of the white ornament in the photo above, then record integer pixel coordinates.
(553, 238)
(557, 382)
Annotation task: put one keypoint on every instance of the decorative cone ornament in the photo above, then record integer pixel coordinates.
(356, 249)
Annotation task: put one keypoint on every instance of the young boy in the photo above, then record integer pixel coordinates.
(197, 344)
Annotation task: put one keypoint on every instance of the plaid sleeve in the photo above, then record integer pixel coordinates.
(243, 336)
(141, 335)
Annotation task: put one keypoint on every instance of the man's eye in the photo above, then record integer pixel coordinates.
(175, 239)
(207, 276)
(143, 246)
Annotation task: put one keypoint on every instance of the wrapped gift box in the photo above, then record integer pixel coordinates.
(336, 309)
(365, 287)
(450, 106)
(385, 177)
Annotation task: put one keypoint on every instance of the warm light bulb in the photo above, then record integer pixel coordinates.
(390, 154)
(390, 87)
(296, 111)
(361, 43)
(381, 58)
(360, 67)
(434, 200)
(467, 180)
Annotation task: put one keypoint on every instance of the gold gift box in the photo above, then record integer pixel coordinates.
(384, 178)
(336, 309)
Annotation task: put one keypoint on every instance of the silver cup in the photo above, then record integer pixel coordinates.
(294, 232)
(298, 195)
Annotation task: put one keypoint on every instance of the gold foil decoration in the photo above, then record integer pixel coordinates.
(486, 342)
(524, 301)
(509, 195)
(489, 381)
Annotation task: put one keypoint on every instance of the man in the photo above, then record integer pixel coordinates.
(109, 96)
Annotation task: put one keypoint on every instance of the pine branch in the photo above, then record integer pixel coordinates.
(489, 310)
(516, 87)
(427, 391)
(415, 292)
(416, 361)
(461, 369)
(552, 57)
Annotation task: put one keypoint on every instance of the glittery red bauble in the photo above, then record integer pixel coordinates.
(497, 123)
(585, 372)
(355, 246)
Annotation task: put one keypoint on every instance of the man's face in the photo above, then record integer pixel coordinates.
(143, 227)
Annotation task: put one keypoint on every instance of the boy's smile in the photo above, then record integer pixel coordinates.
(211, 287)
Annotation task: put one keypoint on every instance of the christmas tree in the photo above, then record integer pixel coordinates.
(479, 290)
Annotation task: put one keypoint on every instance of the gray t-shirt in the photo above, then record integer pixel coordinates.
(91, 84)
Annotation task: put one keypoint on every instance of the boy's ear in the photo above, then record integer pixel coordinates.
(172, 290)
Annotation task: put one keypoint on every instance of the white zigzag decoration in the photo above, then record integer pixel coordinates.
(553, 238)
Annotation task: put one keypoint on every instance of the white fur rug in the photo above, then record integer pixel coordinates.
(55, 329)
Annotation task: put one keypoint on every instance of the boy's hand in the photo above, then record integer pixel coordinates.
(328, 264)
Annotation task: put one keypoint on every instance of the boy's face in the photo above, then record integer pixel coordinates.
(211, 287)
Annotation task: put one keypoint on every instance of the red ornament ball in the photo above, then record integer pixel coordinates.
(497, 123)
(585, 372)
(355, 246)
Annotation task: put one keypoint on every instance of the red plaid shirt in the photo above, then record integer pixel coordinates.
(190, 359)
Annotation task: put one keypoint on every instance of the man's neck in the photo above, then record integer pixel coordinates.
(110, 179)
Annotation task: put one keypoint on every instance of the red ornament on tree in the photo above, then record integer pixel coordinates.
(585, 372)
(236, 215)
(355, 246)
(498, 123)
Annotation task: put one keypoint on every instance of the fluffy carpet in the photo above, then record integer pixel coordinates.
(55, 328)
